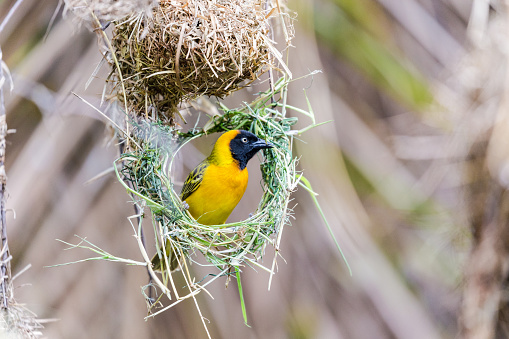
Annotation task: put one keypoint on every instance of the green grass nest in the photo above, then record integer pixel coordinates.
(146, 173)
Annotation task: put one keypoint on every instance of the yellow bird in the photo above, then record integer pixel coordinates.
(216, 185)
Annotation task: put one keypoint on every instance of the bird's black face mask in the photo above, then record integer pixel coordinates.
(245, 145)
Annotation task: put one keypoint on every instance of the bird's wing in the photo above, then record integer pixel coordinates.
(193, 180)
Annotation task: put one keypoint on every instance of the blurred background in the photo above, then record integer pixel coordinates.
(413, 88)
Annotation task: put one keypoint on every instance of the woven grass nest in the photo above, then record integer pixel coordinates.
(187, 49)
(180, 51)
(147, 172)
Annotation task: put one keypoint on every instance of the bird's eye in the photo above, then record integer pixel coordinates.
(244, 140)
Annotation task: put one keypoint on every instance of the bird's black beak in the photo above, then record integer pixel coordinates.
(261, 144)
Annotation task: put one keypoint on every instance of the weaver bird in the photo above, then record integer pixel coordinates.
(216, 185)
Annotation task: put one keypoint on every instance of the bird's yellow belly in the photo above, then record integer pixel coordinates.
(220, 191)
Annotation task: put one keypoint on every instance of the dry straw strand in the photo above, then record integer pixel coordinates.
(107, 10)
(223, 246)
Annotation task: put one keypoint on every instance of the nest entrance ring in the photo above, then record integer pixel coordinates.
(227, 245)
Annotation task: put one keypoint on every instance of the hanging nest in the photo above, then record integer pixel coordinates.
(147, 174)
(183, 50)
(187, 49)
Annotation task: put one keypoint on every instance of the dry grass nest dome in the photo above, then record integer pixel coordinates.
(186, 49)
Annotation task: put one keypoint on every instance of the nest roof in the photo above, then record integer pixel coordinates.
(187, 49)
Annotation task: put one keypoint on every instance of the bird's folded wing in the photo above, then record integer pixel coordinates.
(194, 180)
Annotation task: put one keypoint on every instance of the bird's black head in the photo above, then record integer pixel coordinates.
(245, 145)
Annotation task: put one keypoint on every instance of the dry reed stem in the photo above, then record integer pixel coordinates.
(15, 320)
(487, 269)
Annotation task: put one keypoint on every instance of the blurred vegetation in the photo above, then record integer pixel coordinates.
(395, 184)
(356, 35)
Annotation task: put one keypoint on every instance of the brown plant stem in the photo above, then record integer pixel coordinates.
(5, 262)
(488, 264)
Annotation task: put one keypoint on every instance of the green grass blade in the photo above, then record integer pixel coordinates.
(241, 295)
(307, 185)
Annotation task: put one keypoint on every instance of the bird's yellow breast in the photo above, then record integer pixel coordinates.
(220, 191)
